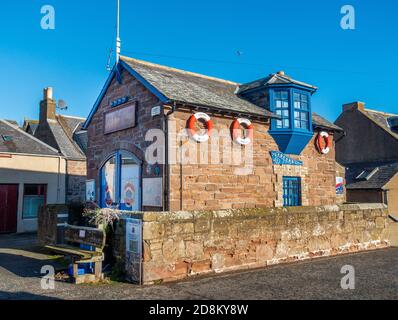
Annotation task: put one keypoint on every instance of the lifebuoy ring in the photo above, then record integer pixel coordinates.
(236, 132)
(191, 126)
(324, 143)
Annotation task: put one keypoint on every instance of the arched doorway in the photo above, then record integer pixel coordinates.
(120, 179)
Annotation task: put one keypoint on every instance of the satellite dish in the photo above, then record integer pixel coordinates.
(62, 105)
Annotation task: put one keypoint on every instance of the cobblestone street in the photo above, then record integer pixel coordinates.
(376, 278)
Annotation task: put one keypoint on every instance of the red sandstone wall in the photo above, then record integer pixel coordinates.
(216, 186)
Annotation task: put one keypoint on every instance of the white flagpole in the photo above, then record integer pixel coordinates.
(118, 42)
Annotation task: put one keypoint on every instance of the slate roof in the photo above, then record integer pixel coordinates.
(64, 131)
(174, 85)
(322, 123)
(381, 119)
(22, 142)
(275, 78)
(382, 175)
(192, 88)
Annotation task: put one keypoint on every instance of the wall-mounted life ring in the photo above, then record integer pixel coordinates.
(324, 142)
(236, 132)
(191, 126)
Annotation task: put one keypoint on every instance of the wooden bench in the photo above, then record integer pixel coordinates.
(89, 237)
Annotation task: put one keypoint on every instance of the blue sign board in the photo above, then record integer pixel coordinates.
(280, 158)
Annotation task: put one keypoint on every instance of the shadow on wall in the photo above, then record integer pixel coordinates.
(72, 187)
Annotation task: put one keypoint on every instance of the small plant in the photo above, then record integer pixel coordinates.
(101, 217)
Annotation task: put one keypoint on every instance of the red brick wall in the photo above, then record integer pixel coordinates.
(216, 186)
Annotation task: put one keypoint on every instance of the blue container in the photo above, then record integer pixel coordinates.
(81, 271)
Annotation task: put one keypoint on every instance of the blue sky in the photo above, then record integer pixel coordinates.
(303, 38)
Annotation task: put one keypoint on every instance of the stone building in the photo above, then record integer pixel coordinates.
(247, 145)
(369, 151)
(32, 173)
(65, 134)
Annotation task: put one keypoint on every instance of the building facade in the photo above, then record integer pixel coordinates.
(369, 151)
(165, 139)
(31, 174)
(64, 134)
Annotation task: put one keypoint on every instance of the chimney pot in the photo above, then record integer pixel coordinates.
(48, 93)
(47, 106)
(357, 105)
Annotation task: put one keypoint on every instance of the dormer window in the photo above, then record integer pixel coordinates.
(290, 100)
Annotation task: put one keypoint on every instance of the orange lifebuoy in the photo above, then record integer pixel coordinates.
(191, 126)
(324, 142)
(236, 132)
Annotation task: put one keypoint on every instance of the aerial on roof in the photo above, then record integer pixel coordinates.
(174, 85)
(370, 175)
(15, 140)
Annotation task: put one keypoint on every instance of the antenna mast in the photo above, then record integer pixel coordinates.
(118, 42)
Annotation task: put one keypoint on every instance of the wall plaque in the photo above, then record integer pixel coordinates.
(120, 118)
(152, 192)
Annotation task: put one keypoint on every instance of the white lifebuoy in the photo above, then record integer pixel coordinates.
(235, 131)
(191, 126)
(324, 143)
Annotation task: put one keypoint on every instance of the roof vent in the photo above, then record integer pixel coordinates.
(393, 122)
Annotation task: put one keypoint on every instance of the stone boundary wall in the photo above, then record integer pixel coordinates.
(183, 244)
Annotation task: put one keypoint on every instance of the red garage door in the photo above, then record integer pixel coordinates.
(8, 208)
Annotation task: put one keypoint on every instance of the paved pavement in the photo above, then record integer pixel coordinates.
(376, 278)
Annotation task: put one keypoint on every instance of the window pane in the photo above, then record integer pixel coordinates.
(34, 197)
(130, 183)
(285, 113)
(304, 98)
(285, 95)
(286, 123)
(278, 95)
(279, 124)
(278, 103)
(109, 183)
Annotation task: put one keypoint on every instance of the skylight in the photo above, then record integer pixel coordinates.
(7, 138)
(367, 174)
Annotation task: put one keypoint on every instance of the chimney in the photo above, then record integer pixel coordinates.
(354, 106)
(47, 105)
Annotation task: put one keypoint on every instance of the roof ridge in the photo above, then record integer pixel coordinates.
(29, 135)
(124, 58)
(71, 117)
(381, 112)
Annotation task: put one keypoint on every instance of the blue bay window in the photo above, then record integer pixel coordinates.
(293, 131)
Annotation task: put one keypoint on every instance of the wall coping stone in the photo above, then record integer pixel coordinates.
(247, 213)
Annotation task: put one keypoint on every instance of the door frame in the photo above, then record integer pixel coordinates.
(118, 174)
(16, 185)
